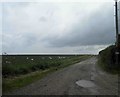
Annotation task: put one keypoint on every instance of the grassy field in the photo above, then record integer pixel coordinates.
(19, 70)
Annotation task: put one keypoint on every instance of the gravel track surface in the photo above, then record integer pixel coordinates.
(63, 82)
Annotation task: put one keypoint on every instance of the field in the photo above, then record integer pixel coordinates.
(20, 70)
(16, 65)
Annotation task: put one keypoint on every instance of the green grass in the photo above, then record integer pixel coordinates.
(107, 60)
(106, 68)
(13, 81)
(10, 84)
(17, 65)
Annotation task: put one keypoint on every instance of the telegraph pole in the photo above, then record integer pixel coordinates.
(117, 34)
(116, 18)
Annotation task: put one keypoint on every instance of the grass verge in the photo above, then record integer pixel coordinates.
(106, 68)
(107, 60)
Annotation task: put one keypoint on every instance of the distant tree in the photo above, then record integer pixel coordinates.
(4, 53)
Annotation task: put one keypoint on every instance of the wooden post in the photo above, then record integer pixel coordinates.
(116, 20)
(117, 34)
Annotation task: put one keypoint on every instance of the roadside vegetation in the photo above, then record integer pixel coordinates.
(19, 70)
(107, 60)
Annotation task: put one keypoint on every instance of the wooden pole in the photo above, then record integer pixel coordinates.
(117, 34)
(116, 20)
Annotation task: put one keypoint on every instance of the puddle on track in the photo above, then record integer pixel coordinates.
(85, 83)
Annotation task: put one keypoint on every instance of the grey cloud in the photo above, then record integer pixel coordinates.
(30, 39)
(21, 41)
(42, 29)
(94, 49)
(98, 30)
(43, 19)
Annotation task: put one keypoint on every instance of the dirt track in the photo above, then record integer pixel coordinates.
(63, 82)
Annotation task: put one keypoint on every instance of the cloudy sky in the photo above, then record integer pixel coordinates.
(57, 27)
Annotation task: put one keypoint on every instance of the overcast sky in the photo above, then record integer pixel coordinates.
(57, 27)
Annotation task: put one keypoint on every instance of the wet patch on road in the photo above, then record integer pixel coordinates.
(85, 83)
